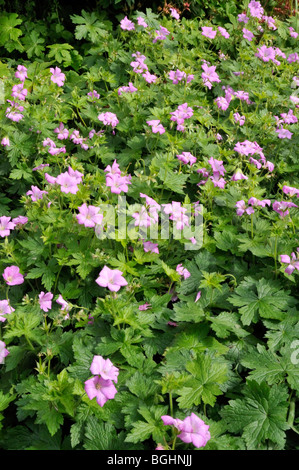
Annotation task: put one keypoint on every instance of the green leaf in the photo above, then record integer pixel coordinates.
(260, 416)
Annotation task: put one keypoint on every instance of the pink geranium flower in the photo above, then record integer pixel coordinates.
(208, 32)
(126, 24)
(145, 306)
(65, 307)
(209, 75)
(111, 278)
(183, 271)
(156, 126)
(292, 262)
(104, 368)
(101, 389)
(21, 73)
(68, 183)
(141, 22)
(109, 119)
(193, 429)
(57, 76)
(187, 157)
(5, 142)
(3, 352)
(150, 246)
(35, 193)
(247, 34)
(6, 226)
(45, 301)
(89, 216)
(5, 309)
(12, 276)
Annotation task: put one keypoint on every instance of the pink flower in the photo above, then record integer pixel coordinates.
(145, 306)
(62, 132)
(242, 18)
(187, 157)
(238, 175)
(223, 32)
(256, 10)
(111, 278)
(290, 190)
(293, 32)
(68, 183)
(94, 95)
(149, 78)
(100, 388)
(152, 247)
(284, 133)
(293, 262)
(18, 92)
(35, 193)
(222, 103)
(12, 276)
(247, 34)
(183, 271)
(118, 183)
(104, 368)
(126, 24)
(40, 167)
(6, 226)
(266, 53)
(57, 76)
(193, 429)
(89, 216)
(208, 32)
(161, 34)
(209, 75)
(5, 309)
(241, 208)
(65, 307)
(5, 142)
(45, 301)
(141, 22)
(217, 166)
(281, 207)
(197, 296)
(156, 126)
(174, 13)
(20, 220)
(127, 89)
(109, 119)
(3, 352)
(21, 73)
(239, 119)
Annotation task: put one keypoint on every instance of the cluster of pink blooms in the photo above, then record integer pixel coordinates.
(253, 202)
(128, 25)
(127, 89)
(287, 118)
(53, 150)
(57, 76)
(290, 190)
(6, 224)
(156, 126)
(178, 75)
(187, 157)
(210, 33)
(292, 262)
(251, 148)
(177, 214)
(256, 10)
(180, 114)
(14, 112)
(269, 53)
(94, 95)
(68, 181)
(147, 216)
(238, 118)
(282, 207)
(101, 385)
(192, 429)
(209, 75)
(161, 34)
(183, 271)
(114, 179)
(140, 67)
(111, 278)
(218, 171)
(150, 247)
(108, 119)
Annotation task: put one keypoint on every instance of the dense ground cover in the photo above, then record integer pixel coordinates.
(148, 222)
